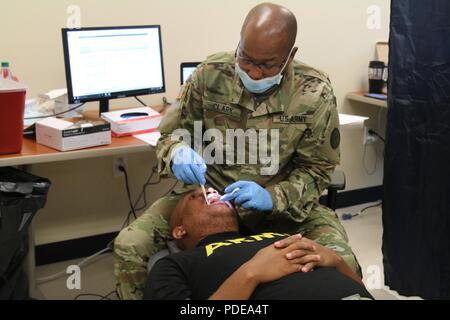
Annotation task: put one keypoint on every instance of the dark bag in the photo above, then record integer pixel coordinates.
(21, 196)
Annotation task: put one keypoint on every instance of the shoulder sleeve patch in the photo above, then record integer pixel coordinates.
(335, 139)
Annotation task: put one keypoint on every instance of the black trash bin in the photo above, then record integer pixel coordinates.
(21, 196)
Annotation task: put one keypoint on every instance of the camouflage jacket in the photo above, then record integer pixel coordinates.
(302, 110)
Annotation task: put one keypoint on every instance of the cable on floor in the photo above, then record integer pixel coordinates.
(106, 297)
(349, 216)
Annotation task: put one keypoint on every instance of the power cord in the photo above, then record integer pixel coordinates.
(140, 101)
(127, 185)
(97, 295)
(364, 161)
(63, 273)
(126, 222)
(143, 195)
(132, 211)
(349, 216)
(56, 114)
(144, 189)
(377, 134)
(373, 132)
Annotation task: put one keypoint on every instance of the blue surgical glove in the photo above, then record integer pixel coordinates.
(188, 166)
(249, 195)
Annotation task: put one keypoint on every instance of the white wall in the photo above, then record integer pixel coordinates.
(333, 36)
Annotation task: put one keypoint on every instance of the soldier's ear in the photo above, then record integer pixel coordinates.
(294, 52)
(178, 233)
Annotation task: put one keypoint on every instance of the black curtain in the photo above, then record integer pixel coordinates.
(416, 209)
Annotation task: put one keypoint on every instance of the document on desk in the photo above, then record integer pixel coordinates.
(345, 119)
(150, 138)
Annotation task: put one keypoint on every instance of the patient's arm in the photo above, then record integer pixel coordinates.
(241, 284)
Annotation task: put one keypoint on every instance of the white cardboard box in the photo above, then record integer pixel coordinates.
(73, 134)
(133, 121)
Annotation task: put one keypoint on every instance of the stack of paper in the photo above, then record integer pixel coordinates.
(345, 119)
(150, 138)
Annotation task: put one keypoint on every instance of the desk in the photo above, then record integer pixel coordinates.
(360, 97)
(34, 153)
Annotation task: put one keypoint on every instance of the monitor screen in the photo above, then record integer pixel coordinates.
(187, 68)
(113, 62)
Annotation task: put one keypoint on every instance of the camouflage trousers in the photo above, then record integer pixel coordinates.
(147, 235)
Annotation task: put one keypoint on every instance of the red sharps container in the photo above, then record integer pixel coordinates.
(12, 105)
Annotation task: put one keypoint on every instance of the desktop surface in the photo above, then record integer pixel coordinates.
(33, 153)
(361, 97)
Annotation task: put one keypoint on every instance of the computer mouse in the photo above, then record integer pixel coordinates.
(133, 114)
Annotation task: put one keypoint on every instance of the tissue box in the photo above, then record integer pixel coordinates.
(133, 121)
(73, 133)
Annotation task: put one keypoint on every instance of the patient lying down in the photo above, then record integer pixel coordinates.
(219, 263)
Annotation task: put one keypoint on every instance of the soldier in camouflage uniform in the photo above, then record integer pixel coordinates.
(303, 110)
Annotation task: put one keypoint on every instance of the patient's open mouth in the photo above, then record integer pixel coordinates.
(214, 200)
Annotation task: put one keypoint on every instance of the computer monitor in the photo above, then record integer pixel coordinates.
(186, 69)
(112, 62)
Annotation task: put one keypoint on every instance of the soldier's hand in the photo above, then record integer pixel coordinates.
(249, 195)
(188, 166)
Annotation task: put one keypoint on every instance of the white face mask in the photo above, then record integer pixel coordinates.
(262, 85)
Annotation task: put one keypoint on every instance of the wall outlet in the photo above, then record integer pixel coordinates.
(368, 138)
(117, 162)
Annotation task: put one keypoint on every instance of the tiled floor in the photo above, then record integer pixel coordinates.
(364, 231)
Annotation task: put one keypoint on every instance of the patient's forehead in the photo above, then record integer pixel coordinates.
(184, 200)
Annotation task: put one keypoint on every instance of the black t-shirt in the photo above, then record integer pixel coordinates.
(196, 274)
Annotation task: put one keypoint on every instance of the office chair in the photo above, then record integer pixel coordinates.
(337, 183)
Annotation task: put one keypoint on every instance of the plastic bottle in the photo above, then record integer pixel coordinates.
(5, 72)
